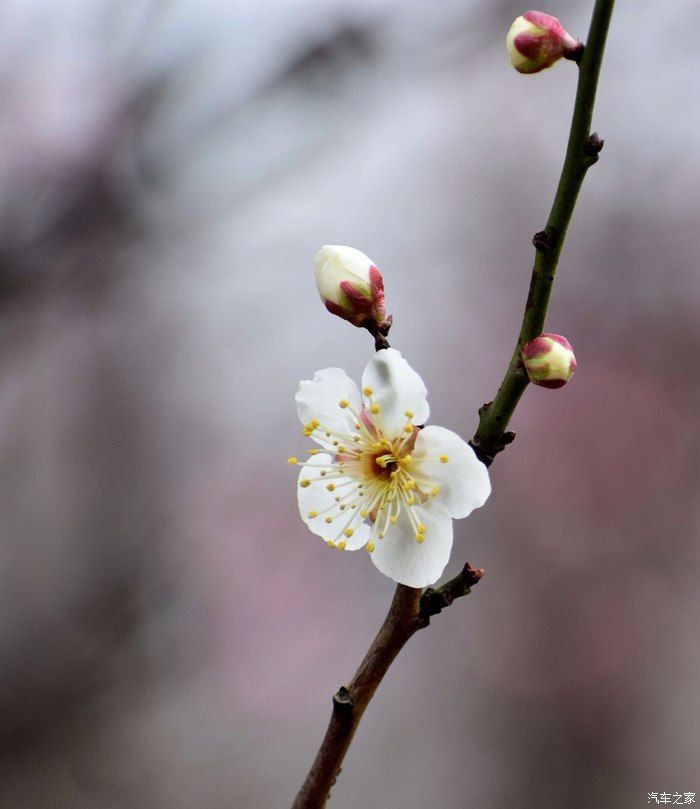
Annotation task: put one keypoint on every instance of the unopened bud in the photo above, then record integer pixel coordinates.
(537, 40)
(350, 285)
(549, 360)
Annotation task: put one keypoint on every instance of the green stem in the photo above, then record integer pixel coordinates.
(581, 153)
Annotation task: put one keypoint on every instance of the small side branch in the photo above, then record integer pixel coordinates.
(581, 153)
(434, 601)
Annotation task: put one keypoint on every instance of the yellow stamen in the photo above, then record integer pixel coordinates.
(444, 459)
(375, 408)
(341, 545)
(435, 490)
(367, 391)
(369, 547)
(330, 487)
(422, 529)
(393, 519)
(344, 403)
(409, 414)
(313, 514)
(348, 532)
(420, 538)
(304, 483)
(329, 520)
(292, 461)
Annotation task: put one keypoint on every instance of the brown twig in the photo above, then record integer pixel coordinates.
(410, 611)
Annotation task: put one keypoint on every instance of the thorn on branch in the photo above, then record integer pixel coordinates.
(434, 601)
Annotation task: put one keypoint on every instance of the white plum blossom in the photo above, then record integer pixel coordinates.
(381, 481)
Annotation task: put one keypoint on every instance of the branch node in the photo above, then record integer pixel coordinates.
(342, 700)
(541, 240)
(594, 144)
(434, 600)
(575, 54)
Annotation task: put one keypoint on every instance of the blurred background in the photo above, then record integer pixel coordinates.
(171, 633)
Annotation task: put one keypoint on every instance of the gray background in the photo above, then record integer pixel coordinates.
(171, 633)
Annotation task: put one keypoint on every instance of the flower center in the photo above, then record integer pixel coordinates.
(372, 474)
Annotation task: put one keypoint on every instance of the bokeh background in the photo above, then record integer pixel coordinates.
(171, 633)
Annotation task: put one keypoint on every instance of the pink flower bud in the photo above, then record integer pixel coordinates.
(537, 40)
(350, 285)
(549, 360)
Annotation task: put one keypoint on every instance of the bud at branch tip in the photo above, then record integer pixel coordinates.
(536, 41)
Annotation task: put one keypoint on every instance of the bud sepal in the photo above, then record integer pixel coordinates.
(549, 360)
(536, 41)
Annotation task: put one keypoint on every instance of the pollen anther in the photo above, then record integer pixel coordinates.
(304, 483)
(444, 459)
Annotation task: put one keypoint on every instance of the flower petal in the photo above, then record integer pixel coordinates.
(396, 388)
(415, 564)
(462, 478)
(319, 399)
(317, 503)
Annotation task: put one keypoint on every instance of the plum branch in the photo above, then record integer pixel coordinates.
(411, 608)
(581, 153)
